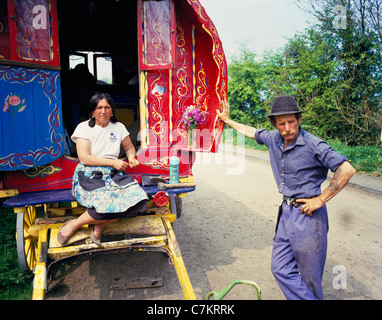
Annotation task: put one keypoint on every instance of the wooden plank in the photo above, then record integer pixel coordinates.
(8, 192)
(141, 225)
(136, 283)
(152, 244)
(82, 234)
(35, 198)
(148, 225)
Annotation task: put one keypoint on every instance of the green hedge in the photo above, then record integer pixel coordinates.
(364, 159)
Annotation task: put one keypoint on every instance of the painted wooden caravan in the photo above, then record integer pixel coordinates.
(155, 58)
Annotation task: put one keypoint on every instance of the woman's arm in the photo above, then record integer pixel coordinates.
(83, 152)
(129, 148)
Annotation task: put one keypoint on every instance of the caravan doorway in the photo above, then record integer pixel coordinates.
(98, 53)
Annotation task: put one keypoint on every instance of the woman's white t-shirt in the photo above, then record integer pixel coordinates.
(104, 142)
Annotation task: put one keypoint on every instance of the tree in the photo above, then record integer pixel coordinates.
(245, 88)
(357, 44)
(306, 69)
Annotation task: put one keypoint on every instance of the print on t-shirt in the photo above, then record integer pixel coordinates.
(113, 137)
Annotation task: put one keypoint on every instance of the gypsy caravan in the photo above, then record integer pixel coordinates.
(162, 62)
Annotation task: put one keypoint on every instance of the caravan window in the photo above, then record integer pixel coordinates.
(99, 64)
(103, 68)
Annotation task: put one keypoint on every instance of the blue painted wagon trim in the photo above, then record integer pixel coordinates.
(49, 80)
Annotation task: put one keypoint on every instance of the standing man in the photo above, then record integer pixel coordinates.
(300, 163)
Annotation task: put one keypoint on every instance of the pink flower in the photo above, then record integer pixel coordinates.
(193, 117)
(14, 101)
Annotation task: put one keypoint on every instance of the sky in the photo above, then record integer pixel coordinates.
(261, 24)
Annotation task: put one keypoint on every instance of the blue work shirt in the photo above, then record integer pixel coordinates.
(302, 167)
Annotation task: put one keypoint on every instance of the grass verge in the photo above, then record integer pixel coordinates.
(14, 285)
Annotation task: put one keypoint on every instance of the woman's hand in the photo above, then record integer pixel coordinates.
(120, 165)
(130, 153)
(133, 163)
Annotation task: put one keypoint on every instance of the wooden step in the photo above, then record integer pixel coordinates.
(150, 225)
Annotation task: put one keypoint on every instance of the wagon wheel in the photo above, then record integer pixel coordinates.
(26, 243)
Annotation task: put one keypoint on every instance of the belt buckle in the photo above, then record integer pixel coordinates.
(289, 201)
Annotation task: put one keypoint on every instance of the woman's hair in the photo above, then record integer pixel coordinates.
(93, 103)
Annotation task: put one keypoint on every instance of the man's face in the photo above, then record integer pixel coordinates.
(288, 127)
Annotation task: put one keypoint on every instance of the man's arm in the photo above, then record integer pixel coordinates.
(247, 131)
(340, 179)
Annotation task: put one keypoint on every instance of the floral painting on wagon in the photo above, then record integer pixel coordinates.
(13, 104)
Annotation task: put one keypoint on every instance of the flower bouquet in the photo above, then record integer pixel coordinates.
(193, 118)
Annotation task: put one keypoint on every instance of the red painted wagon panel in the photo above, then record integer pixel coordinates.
(34, 31)
(199, 78)
(53, 176)
(157, 34)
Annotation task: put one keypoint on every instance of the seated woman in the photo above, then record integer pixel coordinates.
(100, 182)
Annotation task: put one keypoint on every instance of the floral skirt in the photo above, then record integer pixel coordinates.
(106, 190)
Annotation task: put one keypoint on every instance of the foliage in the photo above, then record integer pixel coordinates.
(307, 70)
(245, 88)
(13, 283)
(364, 159)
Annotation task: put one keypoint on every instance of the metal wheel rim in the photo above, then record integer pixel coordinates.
(26, 243)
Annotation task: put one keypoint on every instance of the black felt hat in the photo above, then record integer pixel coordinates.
(284, 105)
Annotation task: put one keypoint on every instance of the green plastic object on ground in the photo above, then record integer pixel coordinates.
(219, 295)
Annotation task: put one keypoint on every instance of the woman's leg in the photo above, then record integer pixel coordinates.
(100, 226)
(85, 218)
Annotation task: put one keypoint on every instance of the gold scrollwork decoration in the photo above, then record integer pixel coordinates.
(162, 163)
(41, 171)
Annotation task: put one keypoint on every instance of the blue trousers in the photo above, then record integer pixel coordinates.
(299, 252)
